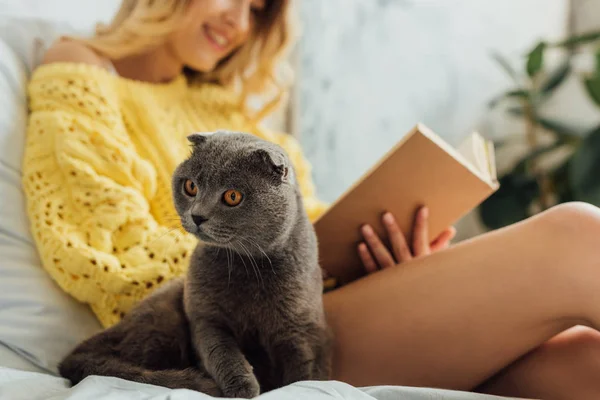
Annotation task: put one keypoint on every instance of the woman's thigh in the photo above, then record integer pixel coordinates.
(457, 317)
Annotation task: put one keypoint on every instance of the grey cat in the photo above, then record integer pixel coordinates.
(249, 316)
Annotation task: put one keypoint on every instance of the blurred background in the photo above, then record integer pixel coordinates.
(521, 72)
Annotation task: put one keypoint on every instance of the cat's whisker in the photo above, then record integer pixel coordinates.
(216, 257)
(238, 253)
(254, 265)
(174, 227)
(227, 250)
(253, 242)
(220, 232)
(178, 235)
(171, 225)
(172, 218)
(261, 260)
(251, 263)
(257, 267)
(171, 229)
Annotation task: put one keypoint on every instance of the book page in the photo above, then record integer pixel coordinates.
(469, 161)
(479, 153)
(491, 156)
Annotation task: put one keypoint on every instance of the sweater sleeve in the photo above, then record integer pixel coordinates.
(88, 198)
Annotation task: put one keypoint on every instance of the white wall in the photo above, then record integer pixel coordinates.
(372, 69)
(81, 14)
(586, 15)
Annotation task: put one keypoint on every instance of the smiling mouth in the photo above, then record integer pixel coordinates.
(219, 42)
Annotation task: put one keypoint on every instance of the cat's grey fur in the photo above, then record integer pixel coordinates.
(249, 316)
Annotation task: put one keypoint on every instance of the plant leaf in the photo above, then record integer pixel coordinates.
(556, 77)
(584, 167)
(503, 62)
(521, 93)
(516, 111)
(579, 39)
(535, 59)
(522, 165)
(565, 133)
(592, 86)
(510, 203)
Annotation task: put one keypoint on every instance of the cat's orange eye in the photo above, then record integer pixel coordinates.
(190, 188)
(232, 197)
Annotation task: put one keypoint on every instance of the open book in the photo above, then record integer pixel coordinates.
(422, 169)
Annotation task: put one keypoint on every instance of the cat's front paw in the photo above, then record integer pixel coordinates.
(242, 386)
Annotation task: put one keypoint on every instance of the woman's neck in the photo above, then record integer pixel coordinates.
(158, 65)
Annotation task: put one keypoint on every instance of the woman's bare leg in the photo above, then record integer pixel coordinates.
(565, 367)
(458, 317)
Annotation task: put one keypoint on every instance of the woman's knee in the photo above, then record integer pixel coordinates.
(569, 235)
(574, 225)
(577, 342)
(573, 216)
(565, 367)
(575, 353)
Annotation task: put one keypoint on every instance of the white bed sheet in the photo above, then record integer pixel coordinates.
(19, 385)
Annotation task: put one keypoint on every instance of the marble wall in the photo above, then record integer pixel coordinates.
(371, 69)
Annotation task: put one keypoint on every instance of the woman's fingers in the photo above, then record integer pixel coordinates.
(443, 240)
(382, 255)
(366, 258)
(397, 240)
(421, 233)
(375, 255)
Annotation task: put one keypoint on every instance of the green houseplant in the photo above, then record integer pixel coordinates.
(531, 185)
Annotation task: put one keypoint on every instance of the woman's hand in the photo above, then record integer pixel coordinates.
(375, 255)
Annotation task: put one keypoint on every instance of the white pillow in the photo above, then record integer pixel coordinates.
(38, 320)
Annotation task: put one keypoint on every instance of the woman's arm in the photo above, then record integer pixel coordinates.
(88, 196)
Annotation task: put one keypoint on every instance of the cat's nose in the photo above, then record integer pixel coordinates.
(199, 219)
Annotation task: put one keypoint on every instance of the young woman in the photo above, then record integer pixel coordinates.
(109, 116)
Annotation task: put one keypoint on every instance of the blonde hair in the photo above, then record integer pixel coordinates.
(256, 66)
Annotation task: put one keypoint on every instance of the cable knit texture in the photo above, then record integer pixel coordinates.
(97, 176)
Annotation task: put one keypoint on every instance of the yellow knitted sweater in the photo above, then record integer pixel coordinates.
(97, 170)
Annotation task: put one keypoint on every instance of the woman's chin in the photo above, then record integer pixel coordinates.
(202, 65)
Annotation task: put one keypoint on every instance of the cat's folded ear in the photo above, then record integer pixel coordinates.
(197, 138)
(276, 162)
